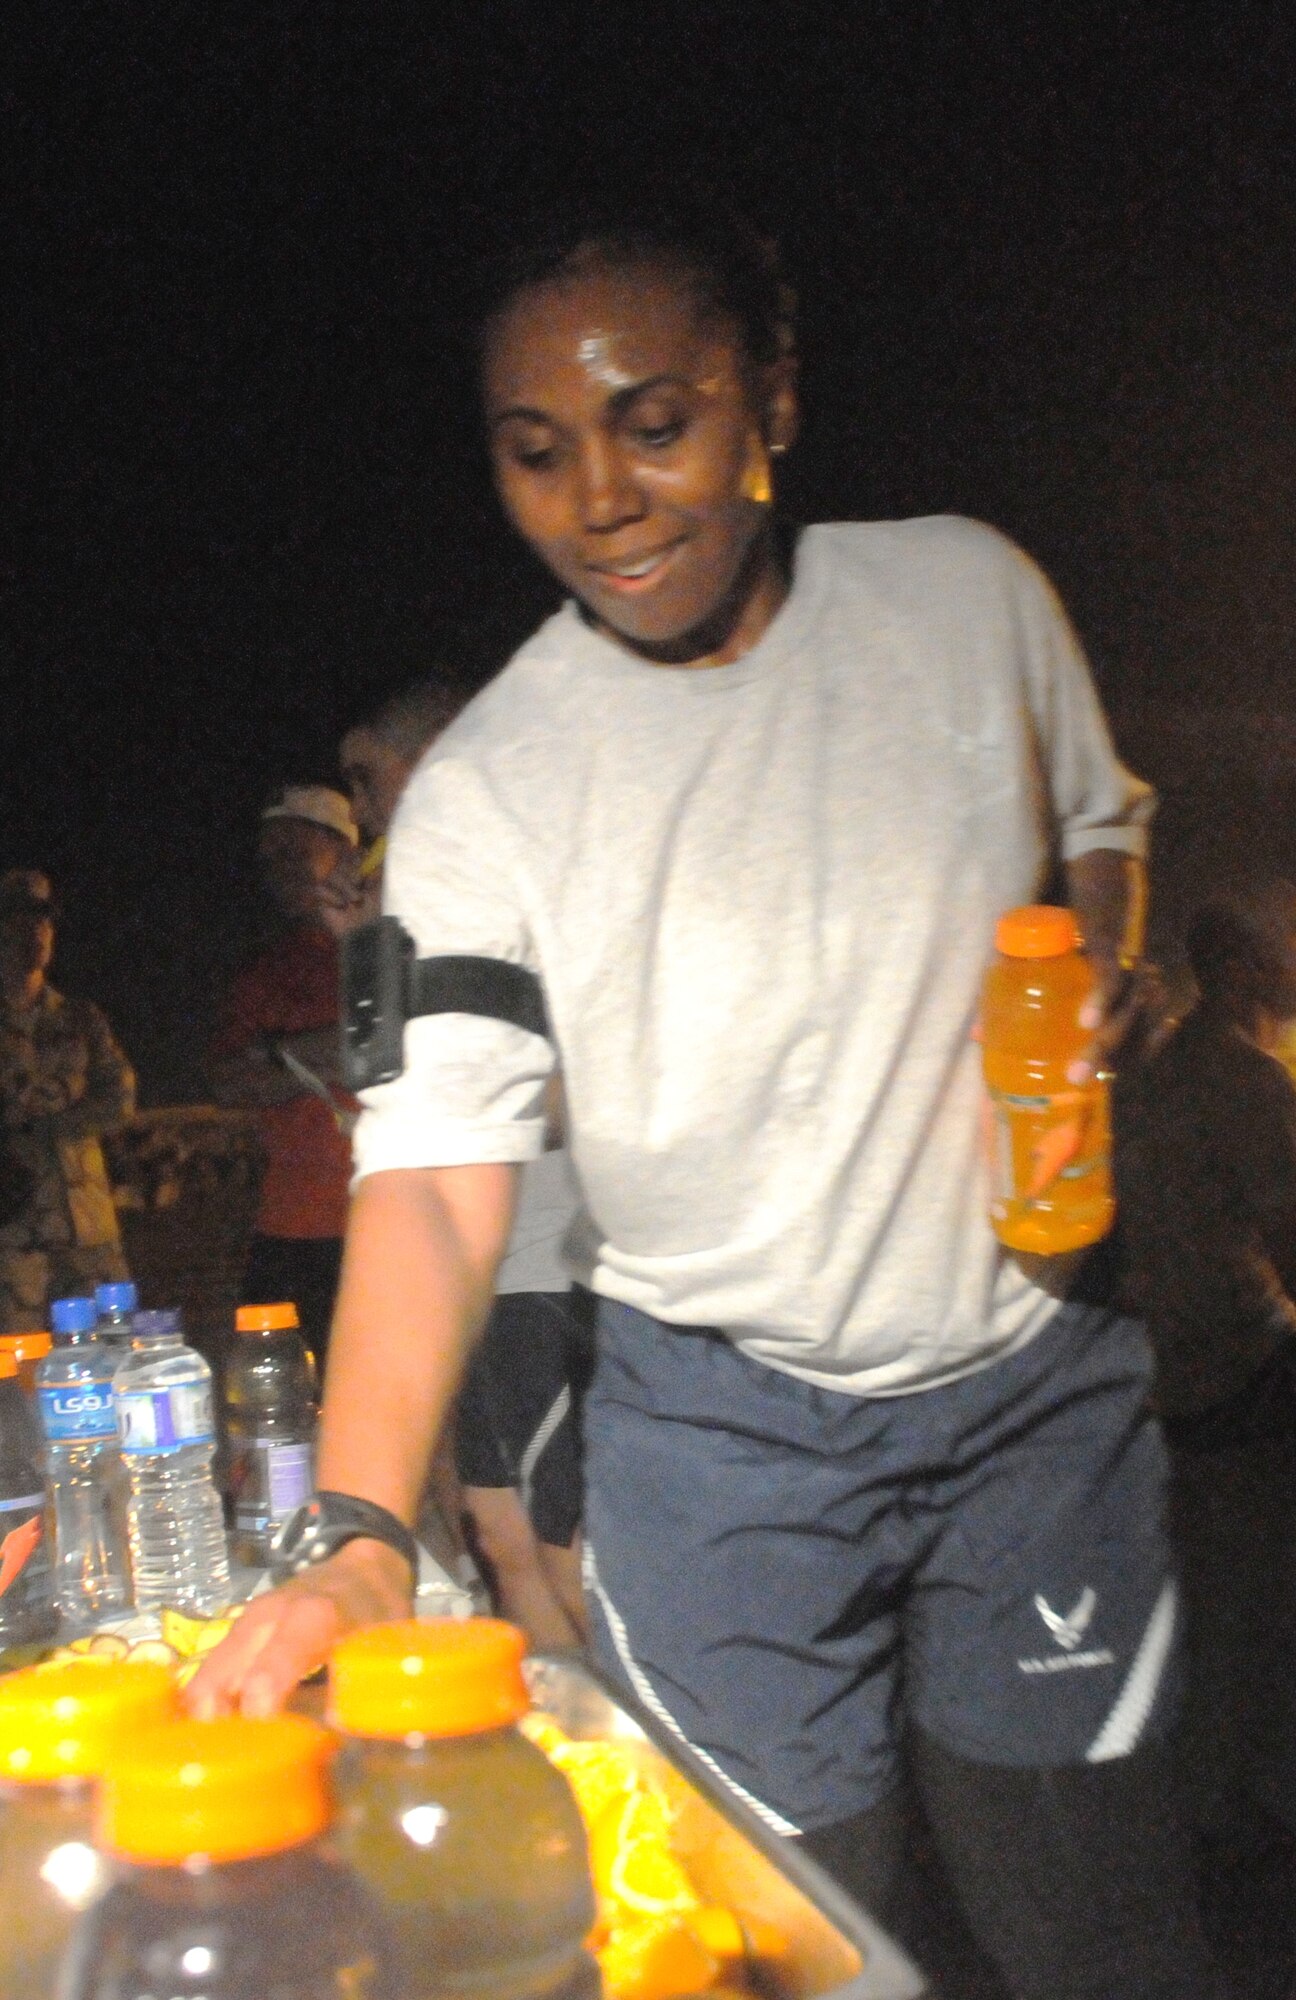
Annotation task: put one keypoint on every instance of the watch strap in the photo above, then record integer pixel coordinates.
(330, 1520)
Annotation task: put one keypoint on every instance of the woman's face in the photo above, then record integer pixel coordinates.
(630, 450)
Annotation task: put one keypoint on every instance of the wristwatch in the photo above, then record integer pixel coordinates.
(326, 1524)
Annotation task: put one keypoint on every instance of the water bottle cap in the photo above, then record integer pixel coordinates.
(228, 1790)
(266, 1319)
(66, 1721)
(73, 1316)
(8, 1365)
(1038, 930)
(428, 1677)
(164, 1325)
(121, 1297)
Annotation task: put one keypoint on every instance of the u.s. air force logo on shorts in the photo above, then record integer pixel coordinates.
(1068, 1634)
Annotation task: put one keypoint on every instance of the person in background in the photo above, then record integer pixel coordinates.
(377, 755)
(64, 1082)
(517, 1422)
(1206, 1180)
(276, 1052)
(516, 1472)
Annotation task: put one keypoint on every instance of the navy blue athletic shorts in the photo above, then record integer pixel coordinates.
(786, 1575)
(518, 1418)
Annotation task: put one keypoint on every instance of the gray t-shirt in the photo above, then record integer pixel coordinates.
(761, 898)
(547, 1202)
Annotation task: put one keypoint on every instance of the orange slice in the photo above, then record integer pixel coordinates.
(656, 1958)
(647, 1878)
(719, 1930)
(543, 1732)
(601, 1776)
(630, 1857)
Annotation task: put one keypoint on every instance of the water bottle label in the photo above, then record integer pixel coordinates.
(271, 1482)
(165, 1419)
(291, 1478)
(78, 1410)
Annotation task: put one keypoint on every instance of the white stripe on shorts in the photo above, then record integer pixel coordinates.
(648, 1695)
(540, 1437)
(1128, 1719)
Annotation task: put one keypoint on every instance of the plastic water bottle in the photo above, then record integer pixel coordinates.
(269, 1426)
(227, 1889)
(28, 1620)
(75, 1396)
(1050, 1169)
(116, 1306)
(166, 1424)
(59, 1725)
(466, 1833)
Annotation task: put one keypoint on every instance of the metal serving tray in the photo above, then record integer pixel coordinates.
(835, 1950)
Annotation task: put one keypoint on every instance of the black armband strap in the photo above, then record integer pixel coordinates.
(384, 986)
(459, 984)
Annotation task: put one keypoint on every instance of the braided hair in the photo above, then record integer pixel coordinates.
(733, 270)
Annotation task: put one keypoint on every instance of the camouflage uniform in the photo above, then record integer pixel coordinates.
(63, 1081)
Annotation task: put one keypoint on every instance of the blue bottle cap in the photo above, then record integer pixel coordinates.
(73, 1316)
(165, 1325)
(121, 1297)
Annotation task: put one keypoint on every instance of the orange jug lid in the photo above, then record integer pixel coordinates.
(266, 1319)
(1037, 930)
(8, 1366)
(428, 1677)
(227, 1790)
(26, 1346)
(67, 1719)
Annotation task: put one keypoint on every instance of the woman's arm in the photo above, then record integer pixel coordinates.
(422, 1248)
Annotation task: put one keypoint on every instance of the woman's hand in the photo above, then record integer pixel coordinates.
(1128, 1015)
(286, 1635)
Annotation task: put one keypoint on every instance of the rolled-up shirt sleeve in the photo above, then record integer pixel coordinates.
(1097, 802)
(472, 1088)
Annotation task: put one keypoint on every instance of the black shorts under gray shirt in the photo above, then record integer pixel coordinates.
(519, 1415)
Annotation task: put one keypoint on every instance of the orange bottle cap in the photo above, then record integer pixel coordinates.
(8, 1366)
(1037, 930)
(26, 1346)
(67, 1719)
(266, 1319)
(226, 1790)
(428, 1677)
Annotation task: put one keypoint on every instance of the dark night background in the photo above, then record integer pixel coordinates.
(1045, 259)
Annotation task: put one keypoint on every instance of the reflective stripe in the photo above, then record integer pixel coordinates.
(1134, 1704)
(648, 1695)
(534, 1452)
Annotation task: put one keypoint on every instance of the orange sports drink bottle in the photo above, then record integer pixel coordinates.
(469, 1837)
(226, 1884)
(1050, 1169)
(59, 1727)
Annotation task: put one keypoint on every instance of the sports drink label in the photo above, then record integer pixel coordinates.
(1040, 1141)
(157, 1420)
(271, 1482)
(26, 1585)
(76, 1410)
